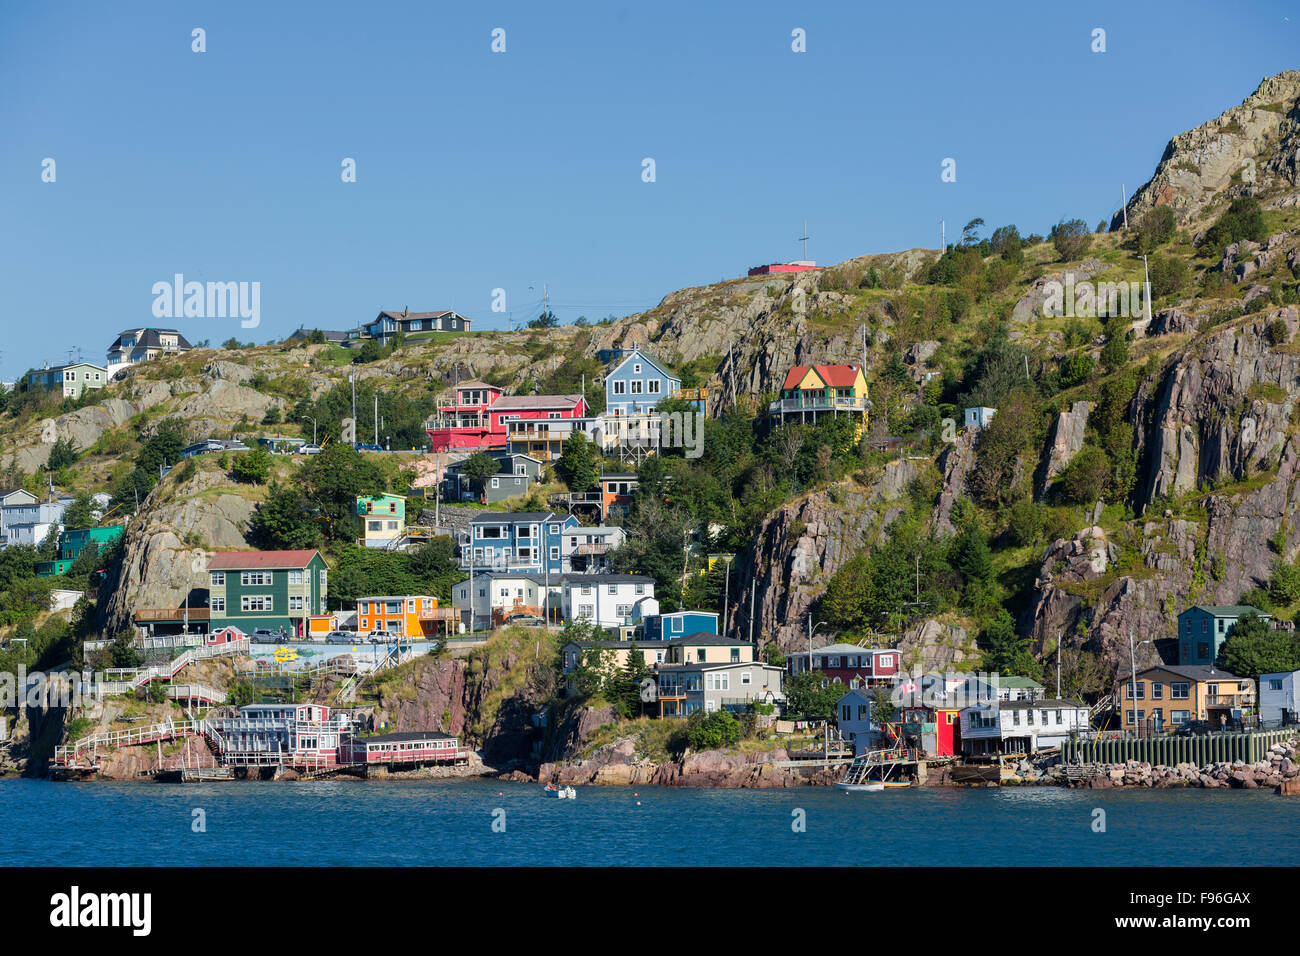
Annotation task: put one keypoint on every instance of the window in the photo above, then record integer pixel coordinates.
(295, 602)
(613, 589)
(1178, 690)
(1141, 716)
(1157, 690)
(652, 386)
(218, 605)
(584, 611)
(1202, 649)
(496, 483)
(636, 387)
(619, 387)
(640, 589)
(1274, 684)
(217, 579)
(323, 578)
(735, 655)
(555, 553)
(745, 679)
(256, 602)
(636, 368)
(255, 578)
(623, 610)
(1141, 690)
(1180, 716)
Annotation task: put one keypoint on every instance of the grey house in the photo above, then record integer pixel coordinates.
(684, 689)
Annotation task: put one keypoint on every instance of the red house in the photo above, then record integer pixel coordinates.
(799, 265)
(851, 665)
(477, 419)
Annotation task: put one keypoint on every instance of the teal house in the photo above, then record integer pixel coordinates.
(72, 543)
(1203, 629)
(271, 590)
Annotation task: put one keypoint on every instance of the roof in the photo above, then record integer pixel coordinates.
(607, 579)
(606, 476)
(636, 353)
(494, 517)
(836, 376)
(1047, 703)
(252, 560)
(705, 637)
(843, 649)
(414, 315)
(1196, 672)
(1018, 682)
(149, 337)
(398, 597)
(478, 383)
(1228, 610)
(509, 402)
(535, 576)
(60, 368)
(403, 737)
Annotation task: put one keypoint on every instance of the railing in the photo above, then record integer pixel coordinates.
(68, 755)
(852, 403)
(600, 547)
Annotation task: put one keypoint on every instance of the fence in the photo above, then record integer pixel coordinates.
(1168, 750)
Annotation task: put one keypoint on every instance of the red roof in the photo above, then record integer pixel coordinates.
(260, 560)
(836, 376)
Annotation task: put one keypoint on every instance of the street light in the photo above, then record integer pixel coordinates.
(812, 629)
(1132, 662)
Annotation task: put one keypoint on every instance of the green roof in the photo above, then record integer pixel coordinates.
(1018, 682)
(1228, 610)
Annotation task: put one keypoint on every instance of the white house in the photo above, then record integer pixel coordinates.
(1279, 700)
(501, 594)
(586, 549)
(1021, 726)
(609, 600)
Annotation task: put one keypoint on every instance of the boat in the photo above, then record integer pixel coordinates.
(878, 770)
(562, 793)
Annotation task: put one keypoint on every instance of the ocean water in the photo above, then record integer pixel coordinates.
(485, 823)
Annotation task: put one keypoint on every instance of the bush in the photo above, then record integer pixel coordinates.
(1243, 219)
(1168, 275)
(1071, 239)
(1086, 476)
(1026, 522)
(1155, 228)
(252, 467)
(1278, 332)
(1076, 369)
(711, 731)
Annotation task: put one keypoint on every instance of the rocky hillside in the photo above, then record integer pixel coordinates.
(1251, 149)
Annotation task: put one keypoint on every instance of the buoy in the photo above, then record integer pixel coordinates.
(638, 803)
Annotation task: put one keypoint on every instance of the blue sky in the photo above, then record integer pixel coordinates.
(479, 170)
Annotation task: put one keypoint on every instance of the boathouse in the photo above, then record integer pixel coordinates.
(412, 747)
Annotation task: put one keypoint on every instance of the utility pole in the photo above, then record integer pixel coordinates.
(1133, 687)
(804, 240)
(943, 239)
(1058, 665)
(471, 580)
(726, 598)
(1147, 272)
(1123, 193)
(376, 416)
(352, 377)
(753, 592)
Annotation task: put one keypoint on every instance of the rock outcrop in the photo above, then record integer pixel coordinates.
(1249, 149)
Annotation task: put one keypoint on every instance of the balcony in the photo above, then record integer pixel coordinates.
(593, 548)
(809, 403)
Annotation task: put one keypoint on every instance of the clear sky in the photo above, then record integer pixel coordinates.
(479, 170)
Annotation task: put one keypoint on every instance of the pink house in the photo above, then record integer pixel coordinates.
(478, 417)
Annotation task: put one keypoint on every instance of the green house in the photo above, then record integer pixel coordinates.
(1203, 629)
(272, 590)
(72, 543)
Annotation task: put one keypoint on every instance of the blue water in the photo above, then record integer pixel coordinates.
(450, 823)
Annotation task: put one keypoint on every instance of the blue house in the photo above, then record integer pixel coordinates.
(1203, 629)
(637, 384)
(666, 627)
(516, 541)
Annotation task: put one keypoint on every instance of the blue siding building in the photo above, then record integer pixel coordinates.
(517, 541)
(637, 384)
(1203, 629)
(666, 627)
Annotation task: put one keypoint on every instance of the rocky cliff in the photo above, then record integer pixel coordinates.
(1251, 149)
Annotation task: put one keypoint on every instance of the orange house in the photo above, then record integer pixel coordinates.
(411, 616)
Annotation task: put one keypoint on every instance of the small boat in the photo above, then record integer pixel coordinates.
(859, 787)
(562, 793)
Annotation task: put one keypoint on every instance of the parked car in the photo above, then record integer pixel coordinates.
(265, 635)
(1194, 727)
(309, 450)
(340, 637)
(366, 446)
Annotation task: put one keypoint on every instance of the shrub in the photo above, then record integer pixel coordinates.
(1155, 228)
(1071, 239)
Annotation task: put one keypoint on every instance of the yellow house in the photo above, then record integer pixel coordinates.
(1171, 695)
(701, 648)
(383, 519)
(415, 617)
(810, 392)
